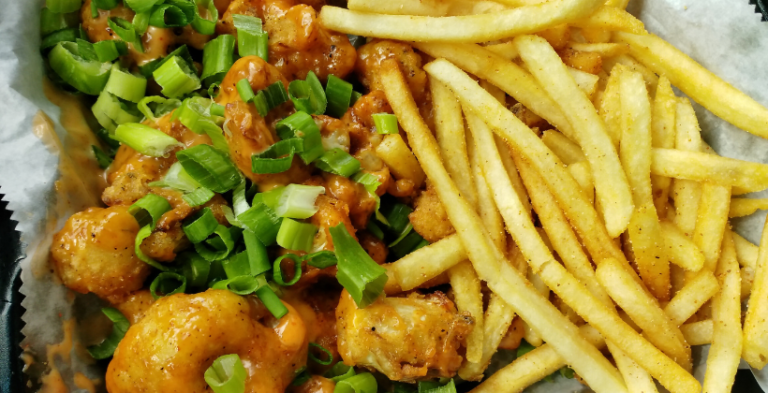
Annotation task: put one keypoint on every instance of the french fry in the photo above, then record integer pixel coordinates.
(425, 8)
(566, 150)
(611, 185)
(505, 74)
(486, 258)
(622, 4)
(531, 336)
(400, 160)
(695, 81)
(466, 29)
(604, 49)
(746, 252)
(741, 207)
(637, 379)
(585, 81)
(725, 352)
(611, 19)
(651, 80)
(449, 127)
(664, 131)
(507, 50)
(498, 317)
(486, 206)
(520, 3)
(428, 262)
(712, 222)
(635, 153)
(680, 249)
(609, 106)
(755, 344)
(697, 291)
(467, 295)
(644, 310)
(686, 193)
(698, 333)
(581, 173)
(532, 367)
(691, 165)
(747, 281)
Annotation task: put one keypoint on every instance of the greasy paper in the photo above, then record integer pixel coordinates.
(726, 36)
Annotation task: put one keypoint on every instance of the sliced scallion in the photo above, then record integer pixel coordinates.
(144, 233)
(358, 273)
(162, 106)
(141, 22)
(236, 265)
(198, 197)
(167, 284)
(298, 201)
(63, 6)
(251, 39)
(371, 184)
(277, 270)
(87, 76)
(105, 4)
(149, 209)
(176, 78)
(226, 375)
(308, 95)
(355, 96)
(386, 123)
(258, 260)
(218, 58)
(321, 259)
(338, 162)
(209, 167)
(217, 110)
(262, 221)
(120, 325)
(302, 126)
(217, 247)
(166, 15)
(360, 383)
(241, 285)
(407, 244)
(127, 32)
(295, 235)
(327, 355)
(125, 85)
(277, 158)
(339, 372)
(245, 90)
(200, 225)
(109, 50)
(146, 140)
(182, 51)
(339, 94)
(51, 21)
(206, 16)
(271, 301)
(63, 35)
(270, 97)
(141, 5)
(110, 111)
(195, 268)
(102, 158)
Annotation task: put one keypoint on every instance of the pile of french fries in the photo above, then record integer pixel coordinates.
(618, 207)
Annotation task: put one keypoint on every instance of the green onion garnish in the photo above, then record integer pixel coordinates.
(141, 5)
(355, 96)
(245, 90)
(339, 94)
(338, 162)
(262, 221)
(141, 22)
(357, 40)
(301, 125)
(220, 245)
(524, 348)
(144, 233)
(127, 32)
(241, 285)
(252, 40)
(182, 51)
(120, 326)
(277, 270)
(321, 259)
(294, 235)
(206, 15)
(146, 140)
(111, 111)
(193, 112)
(87, 76)
(176, 78)
(149, 209)
(358, 273)
(277, 158)
(298, 201)
(109, 50)
(386, 123)
(339, 372)
(105, 4)
(218, 58)
(308, 95)
(258, 260)
(177, 178)
(270, 97)
(371, 184)
(85, 48)
(226, 375)
(209, 167)
(200, 225)
(51, 21)
(217, 110)
(301, 376)
(125, 85)
(198, 197)
(375, 230)
(360, 383)
(398, 218)
(64, 35)
(195, 268)
(102, 158)
(166, 15)
(167, 283)
(449, 387)
(236, 265)
(409, 243)
(328, 355)
(63, 6)
(162, 106)
(271, 301)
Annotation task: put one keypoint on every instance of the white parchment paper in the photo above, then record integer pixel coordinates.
(726, 36)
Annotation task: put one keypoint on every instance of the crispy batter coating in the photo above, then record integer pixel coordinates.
(135, 305)
(94, 253)
(429, 218)
(181, 335)
(406, 339)
(371, 55)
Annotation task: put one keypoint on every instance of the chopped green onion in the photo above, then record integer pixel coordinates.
(241, 285)
(262, 221)
(277, 158)
(195, 268)
(355, 96)
(409, 243)
(64, 35)
(209, 167)
(426, 386)
(127, 86)
(251, 39)
(105, 4)
(226, 375)
(127, 32)
(239, 200)
(177, 178)
(339, 94)
(217, 110)
(236, 265)
(301, 125)
(109, 50)
(162, 106)
(567, 372)
(141, 5)
(339, 372)
(195, 115)
(86, 50)
(205, 20)
(524, 348)
(327, 353)
(120, 325)
(371, 184)
(167, 15)
(216, 273)
(298, 201)
(217, 247)
(110, 111)
(245, 90)
(168, 283)
(270, 97)
(277, 270)
(294, 235)
(449, 387)
(86, 76)
(271, 301)
(149, 209)
(356, 40)
(321, 259)
(402, 387)
(375, 230)
(103, 136)
(360, 383)
(308, 95)
(141, 22)
(198, 197)
(176, 78)
(358, 273)
(146, 140)
(271, 198)
(258, 260)
(144, 233)
(338, 162)
(398, 218)
(51, 21)
(213, 91)
(386, 123)
(182, 51)
(301, 376)
(402, 235)
(102, 158)
(63, 6)
(200, 225)
(218, 58)
(230, 216)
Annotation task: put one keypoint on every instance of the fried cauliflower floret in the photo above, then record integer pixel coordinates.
(135, 305)
(371, 55)
(406, 339)
(429, 218)
(94, 253)
(181, 335)
(330, 212)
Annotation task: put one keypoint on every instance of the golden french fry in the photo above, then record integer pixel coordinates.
(467, 29)
(712, 222)
(604, 49)
(637, 379)
(498, 317)
(698, 83)
(651, 80)
(686, 193)
(520, 3)
(449, 127)
(467, 295)
(680, 249)
(741, 207)
(622, 4)
(486, 206)
(585, 81)
(746, 252)
(697, 291)
(486, 258)
(747, 281)
(507, 50)
(611, 19)
(725, 352)
(565, 149)
(644, 310)
(755, 350)
(505, 74)
(698, 333)
(428, 262)
(691, 165)
(664, 131)
(609, 106)
(530, 335)
(581, 173)
(425, 7)
(400, 160)
(611, 185)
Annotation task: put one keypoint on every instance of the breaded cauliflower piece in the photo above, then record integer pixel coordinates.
(429, 218)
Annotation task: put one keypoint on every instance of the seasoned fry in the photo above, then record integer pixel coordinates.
(664, 132)
(604, 49)
(581, 173)
(725, 352)
(466, 29)
(611, 19)
(691, 297)
(467, 295)
(622, 4)
(611, 185)
(698, 83)
(486, 206)
(746, 252)
(680, 249)
(487, 259)
(712, 222)
(585, 81)
(747, 281)
(498, 317)
(651, 80)
(637, 379)
(686, 193)
(609, 106)
(741, 207)
(566, 150)
(507, 75)
(507, 50)
(428, 262)
(755, 351)
(698, 333)
(531, 336)
(425, 8)
(400, 160)
(698, 166)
